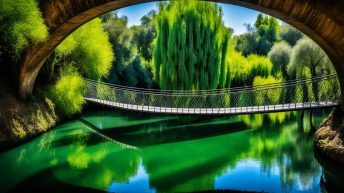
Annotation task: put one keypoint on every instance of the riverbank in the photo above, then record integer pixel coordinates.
(22, 120)
(329, 138)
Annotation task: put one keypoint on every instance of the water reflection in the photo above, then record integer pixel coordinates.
(272, 153)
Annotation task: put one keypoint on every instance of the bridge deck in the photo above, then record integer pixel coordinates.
(233, 110)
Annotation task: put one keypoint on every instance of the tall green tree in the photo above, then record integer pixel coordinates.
(308, 60)
(247, 43)
(144, 34)
(259, 38)
(191, 45)
(280, 55)
(261, 20)
(121, 39)
(128, 45)
(290, 34)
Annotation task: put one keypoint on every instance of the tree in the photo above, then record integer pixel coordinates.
(279, 55)
(308, 59)
(308, 55)
(128, 44)
(260, 38)
(120, 37)
(89, 49)
(268, 35)
(191, 45)
(261, 20)
(143, 75)
(21, 24)
(247, 43)
(86, 53)
(144, 35)
(290, 34)
(146, 20)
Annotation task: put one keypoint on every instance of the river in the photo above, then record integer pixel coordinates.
(120, 151)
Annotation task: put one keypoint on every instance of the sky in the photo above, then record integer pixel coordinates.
(233, 16)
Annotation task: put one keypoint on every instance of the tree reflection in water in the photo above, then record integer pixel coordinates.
(180, 154)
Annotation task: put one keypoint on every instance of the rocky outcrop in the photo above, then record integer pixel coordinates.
(329, 139)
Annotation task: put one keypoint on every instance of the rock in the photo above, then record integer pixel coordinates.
(329, 138)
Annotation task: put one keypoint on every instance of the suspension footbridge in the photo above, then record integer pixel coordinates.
(312, 93)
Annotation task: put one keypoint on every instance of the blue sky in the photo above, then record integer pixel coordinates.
(233, 16)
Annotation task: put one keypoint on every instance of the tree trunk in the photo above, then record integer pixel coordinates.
(314, 84)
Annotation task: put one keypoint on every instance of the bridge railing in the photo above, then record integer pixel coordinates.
(311, 91)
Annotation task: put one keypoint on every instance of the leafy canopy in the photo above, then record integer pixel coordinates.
(21, 24)
(308, 59)
(279, 55)
(90, 50)
(191, 45)
(87, 52)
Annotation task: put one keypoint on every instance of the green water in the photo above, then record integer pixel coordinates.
(117, 151)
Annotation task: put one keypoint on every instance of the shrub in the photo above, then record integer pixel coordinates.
(68, 92)
(263, 97)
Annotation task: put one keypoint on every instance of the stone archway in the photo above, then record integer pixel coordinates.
(322, 21)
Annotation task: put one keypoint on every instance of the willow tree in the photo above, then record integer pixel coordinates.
(308, 60)
(191, 46)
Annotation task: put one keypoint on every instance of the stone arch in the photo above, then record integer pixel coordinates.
(322, 21)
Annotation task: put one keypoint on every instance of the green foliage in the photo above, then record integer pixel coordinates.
(247, 43)
(238, 68)
(260, 38)
(68, 92)
(243, 70)
(279, 55)
(263, 98)
(144, 34)
(104, 92)
(90, 50)
(21, 24)
(133, 75)
(191, 45)
(258, 66)
(143, 38)
(308, 60)
(129, 44)
(290, 34)
(87, 53)
(261, 20)
(120, 37)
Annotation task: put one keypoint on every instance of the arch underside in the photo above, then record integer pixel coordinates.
(322, 21)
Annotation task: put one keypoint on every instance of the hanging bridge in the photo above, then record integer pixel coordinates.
(316, 92)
